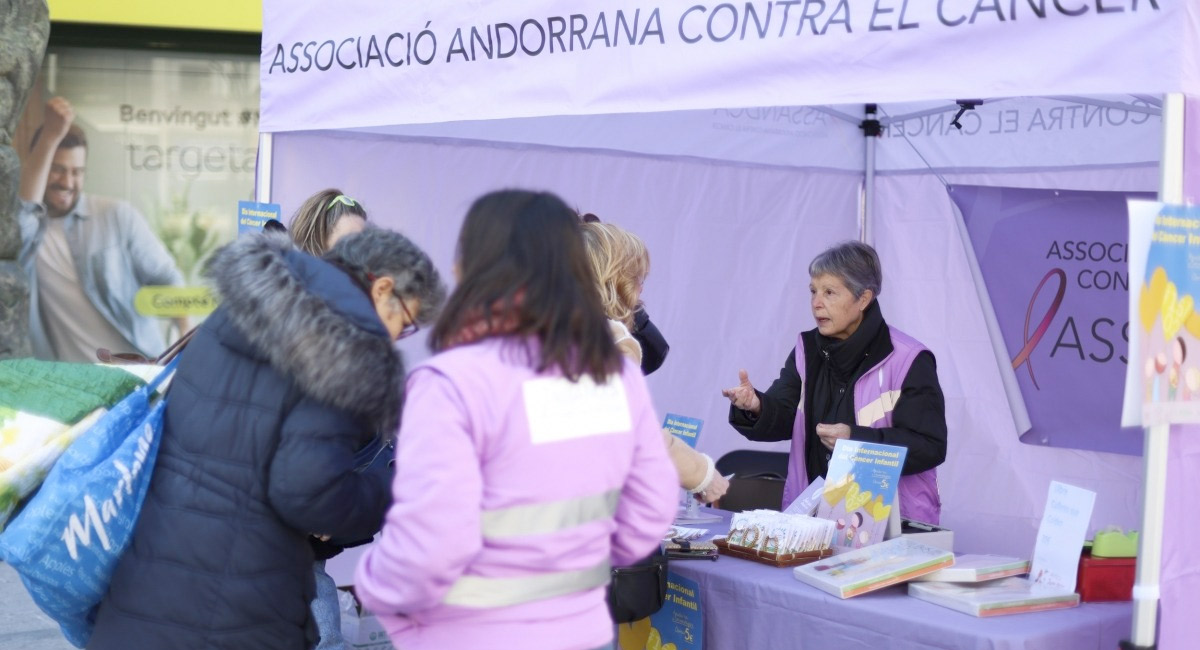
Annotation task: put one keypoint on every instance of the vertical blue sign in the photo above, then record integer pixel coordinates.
(252, 215)
(680, 621)
(683, 427)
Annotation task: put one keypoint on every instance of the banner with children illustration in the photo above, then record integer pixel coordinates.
(1164, 374)
(860, 491)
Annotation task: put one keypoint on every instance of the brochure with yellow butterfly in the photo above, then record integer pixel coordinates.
(860, 491)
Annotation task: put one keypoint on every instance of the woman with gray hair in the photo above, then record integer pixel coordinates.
(275, 396)
(859, 379)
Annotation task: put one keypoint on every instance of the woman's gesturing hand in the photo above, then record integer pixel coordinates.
(743, 396)
(831, 433)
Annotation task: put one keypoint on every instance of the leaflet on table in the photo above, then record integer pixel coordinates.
(993, 598)
(685, 533)
(679, 625)
(860, 489)
(682, 427)
(1060, 536)
(698, 516)
(806, 503)
(873, 567)
(978, 568)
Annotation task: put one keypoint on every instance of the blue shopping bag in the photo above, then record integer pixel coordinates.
(67, 540)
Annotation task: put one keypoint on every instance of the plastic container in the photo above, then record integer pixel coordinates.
(1106, 579)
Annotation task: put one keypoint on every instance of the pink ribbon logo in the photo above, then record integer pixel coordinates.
(1031, 342)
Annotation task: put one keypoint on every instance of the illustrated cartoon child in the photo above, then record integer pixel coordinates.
(1178, 355)
(841, 567)
(853, 522)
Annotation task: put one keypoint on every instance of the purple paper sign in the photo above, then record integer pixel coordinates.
(1191, 150)
(1054, 263)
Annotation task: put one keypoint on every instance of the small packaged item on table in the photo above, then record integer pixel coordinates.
(776, 538)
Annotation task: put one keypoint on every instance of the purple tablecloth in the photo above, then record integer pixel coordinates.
(752, 605)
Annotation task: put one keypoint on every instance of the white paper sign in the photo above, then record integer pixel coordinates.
(559, 409)
(1060, 536)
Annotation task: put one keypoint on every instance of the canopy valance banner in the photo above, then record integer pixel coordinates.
(362, 63)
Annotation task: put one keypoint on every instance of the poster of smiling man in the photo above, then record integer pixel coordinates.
(133, 163)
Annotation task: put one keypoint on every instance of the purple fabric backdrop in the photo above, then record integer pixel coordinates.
(1180, 580)
(1191, 150)
(729, 244)
(1054, 262)
(993, 487)
(1181, 562)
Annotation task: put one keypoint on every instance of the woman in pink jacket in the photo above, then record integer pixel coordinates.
(530, 458)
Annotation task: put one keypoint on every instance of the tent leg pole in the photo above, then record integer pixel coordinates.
(262, 172)
(1158, 437)
(871, 130)
(1149, 564)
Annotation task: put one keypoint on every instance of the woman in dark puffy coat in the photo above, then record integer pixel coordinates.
(277, 390)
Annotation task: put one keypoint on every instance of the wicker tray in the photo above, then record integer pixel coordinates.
(773, 559)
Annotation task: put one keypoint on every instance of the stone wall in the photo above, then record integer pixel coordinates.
(24, 30)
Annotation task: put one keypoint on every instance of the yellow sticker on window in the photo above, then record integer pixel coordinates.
(172, 302)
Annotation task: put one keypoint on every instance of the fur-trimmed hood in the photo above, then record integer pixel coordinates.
(310, 321)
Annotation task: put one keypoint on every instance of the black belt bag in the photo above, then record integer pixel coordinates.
(638, 590)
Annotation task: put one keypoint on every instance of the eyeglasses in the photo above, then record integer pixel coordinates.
(412, 327)
(343, 199)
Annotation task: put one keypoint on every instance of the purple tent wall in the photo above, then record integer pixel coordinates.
(729, 244)
(727, 241)
(993, 486)
(1191, 150)
(1181, 528)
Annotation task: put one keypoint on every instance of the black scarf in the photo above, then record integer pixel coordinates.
(839, 364)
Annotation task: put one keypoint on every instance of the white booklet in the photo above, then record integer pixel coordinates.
(978, 568)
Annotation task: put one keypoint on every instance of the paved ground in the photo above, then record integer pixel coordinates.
(22, 625)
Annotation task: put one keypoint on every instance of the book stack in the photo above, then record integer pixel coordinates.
(988, 585)
(993, 597)
(978, 568)
(873, 567)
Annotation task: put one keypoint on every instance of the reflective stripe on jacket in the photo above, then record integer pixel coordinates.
(515, 491)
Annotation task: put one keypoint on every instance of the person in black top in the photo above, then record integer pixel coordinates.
(654, 345)
(851, 344)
